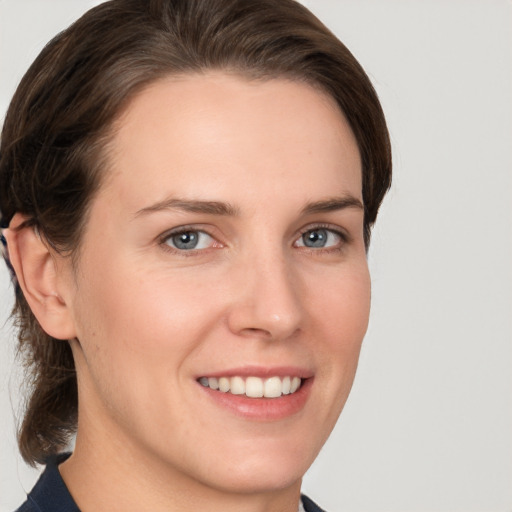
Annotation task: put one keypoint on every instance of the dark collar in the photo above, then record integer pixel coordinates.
(310, 505)
(50, 493)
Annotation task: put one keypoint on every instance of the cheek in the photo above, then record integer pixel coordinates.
(139, 312)
(343, 305)
(136, 332)
(342, 313)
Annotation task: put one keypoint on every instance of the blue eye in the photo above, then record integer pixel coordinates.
(319, 238)
(189, 240)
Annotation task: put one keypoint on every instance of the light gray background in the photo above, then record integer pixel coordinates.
(429, 424)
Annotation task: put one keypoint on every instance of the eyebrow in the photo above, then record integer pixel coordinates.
(192, 205)
(332, 204)
(226, 209)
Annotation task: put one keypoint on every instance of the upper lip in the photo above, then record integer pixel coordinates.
(262, 372)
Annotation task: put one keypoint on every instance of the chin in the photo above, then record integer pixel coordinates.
(262, 471)
(241, 480)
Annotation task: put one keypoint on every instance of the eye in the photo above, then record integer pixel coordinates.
(319, 238)
(189, 240)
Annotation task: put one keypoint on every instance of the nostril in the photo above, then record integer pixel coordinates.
(258, 331)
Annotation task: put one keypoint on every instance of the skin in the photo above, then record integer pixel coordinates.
(146, 319)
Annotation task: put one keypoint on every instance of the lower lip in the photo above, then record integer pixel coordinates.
(262, 409)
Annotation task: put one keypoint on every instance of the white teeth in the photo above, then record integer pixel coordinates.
(272, 387)
(295, 384)
(224, 384)
(237, 386)
(253, 387)
(286, 385)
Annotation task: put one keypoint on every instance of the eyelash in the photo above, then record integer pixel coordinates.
(344, 237)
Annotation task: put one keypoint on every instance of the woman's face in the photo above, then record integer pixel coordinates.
(225, 248)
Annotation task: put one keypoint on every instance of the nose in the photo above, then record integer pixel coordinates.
(267, 300)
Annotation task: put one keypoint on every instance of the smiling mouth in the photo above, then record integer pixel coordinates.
(253, 387)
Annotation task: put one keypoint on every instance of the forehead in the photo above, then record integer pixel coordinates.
(216, 131)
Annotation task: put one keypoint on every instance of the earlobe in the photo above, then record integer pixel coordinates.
(36, 272)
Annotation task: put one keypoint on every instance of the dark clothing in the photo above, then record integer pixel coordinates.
(50, 493)
(310, 506)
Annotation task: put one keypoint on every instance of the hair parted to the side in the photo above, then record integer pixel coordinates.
(58, 125)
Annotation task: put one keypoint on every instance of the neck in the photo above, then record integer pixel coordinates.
(111, 474)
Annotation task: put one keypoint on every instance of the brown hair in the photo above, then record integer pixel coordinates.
(61, 116)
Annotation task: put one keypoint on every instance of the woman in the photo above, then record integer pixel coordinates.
(187, 190)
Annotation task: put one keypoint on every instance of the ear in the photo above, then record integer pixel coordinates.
(37, 274)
